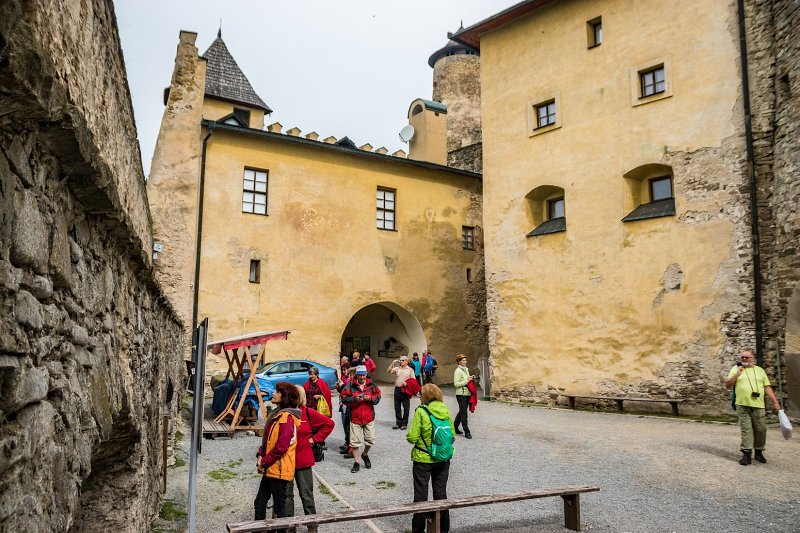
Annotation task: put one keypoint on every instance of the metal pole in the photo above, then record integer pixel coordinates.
(164, 442)
(780, 381)
(197, 418)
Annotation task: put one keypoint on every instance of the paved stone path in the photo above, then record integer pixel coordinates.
(655, 474)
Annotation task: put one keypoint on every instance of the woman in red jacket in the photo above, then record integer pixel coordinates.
(276, 456)
(314, 428)
(315, 389)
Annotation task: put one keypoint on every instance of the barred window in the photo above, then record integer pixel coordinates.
(468, 237)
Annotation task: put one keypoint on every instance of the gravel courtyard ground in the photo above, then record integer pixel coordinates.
(655, 474)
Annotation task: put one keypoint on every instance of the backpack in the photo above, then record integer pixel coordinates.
(428, 364)
(441, 447)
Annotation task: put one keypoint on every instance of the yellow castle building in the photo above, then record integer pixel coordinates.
(347, 247)
(596, 154)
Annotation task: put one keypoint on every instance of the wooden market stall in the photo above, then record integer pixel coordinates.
(244, 354)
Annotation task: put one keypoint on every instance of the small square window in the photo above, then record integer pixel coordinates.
(254, 192)
(468, 237)
(660, 188)
(653, 81)
(555, 208)
(546, 114)
(255, 271)
(385, 209)
(594, 32)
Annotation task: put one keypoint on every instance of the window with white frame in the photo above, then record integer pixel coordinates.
(385, 208)
(254, 192)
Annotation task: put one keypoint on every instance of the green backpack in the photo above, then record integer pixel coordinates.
(441, 446)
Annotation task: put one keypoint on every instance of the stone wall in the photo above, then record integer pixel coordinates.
(467, 158)
(89, 348)
(774, 63)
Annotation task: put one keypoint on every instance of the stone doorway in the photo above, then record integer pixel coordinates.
(388, 329)
(792, 354)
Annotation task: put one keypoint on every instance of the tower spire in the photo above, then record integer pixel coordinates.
(219, 32)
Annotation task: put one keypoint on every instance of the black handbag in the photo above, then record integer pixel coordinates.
(316, 448)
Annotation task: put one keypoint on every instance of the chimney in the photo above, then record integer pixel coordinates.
(313, 136)
(429, 142)
(275, 127)
(294, 132)
(329, 140)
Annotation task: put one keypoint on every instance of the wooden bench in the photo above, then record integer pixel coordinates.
(571, 496)
(619, 399)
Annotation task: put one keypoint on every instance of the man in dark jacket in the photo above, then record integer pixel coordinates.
(361, 396)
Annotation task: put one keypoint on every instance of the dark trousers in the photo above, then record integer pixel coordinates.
(437, 474)
(304, 478)
(276, 488)
(463, 410)
(402, 404)
(346, 425)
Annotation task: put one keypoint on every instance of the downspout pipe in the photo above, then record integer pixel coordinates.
(748, 134)
(199, 239)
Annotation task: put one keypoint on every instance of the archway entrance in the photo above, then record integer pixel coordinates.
(792, 354)
(387, 331)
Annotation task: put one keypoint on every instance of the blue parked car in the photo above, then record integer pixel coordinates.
(295, 371)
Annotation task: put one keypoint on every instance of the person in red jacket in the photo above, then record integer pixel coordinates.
(314, 428)
(276, 456)
(315, 389)
(361, 396)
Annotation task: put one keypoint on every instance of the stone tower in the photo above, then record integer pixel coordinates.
(457, 84)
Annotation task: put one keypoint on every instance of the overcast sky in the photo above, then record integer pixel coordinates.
(343, 67)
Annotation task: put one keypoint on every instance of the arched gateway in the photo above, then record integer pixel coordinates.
(387, 331)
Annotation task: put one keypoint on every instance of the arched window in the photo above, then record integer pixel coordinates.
(546, 210)
(649, 192)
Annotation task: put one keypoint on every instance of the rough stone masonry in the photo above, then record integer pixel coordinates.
(89, 348)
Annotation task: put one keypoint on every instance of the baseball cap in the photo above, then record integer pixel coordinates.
(361, 370)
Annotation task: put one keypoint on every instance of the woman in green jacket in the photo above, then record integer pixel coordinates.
(425, 468)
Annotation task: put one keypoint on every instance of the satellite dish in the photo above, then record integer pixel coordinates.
(407, 133)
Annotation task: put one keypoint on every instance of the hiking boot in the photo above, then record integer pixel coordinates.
(404, 427)
(356, 468)
(745, 460)
(367, 462)
(760, 457)
(396, 427)
(467, 435)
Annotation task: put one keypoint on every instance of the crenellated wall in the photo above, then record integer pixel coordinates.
(89, 348)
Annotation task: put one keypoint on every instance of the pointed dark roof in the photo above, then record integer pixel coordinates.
(452, 48)
(226, 81)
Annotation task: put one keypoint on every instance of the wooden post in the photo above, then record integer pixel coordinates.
(572, 511)
(434, 521)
